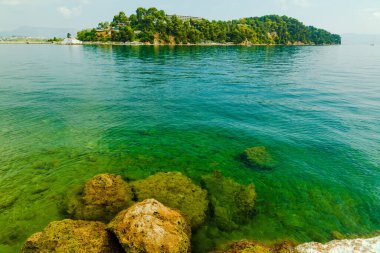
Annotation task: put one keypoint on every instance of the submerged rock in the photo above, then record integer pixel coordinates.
(102, 198)
(371, 245)
(255, 247)
(150, 226)
(176, 191)
(72, 236)
(258, 157)
(232, 204)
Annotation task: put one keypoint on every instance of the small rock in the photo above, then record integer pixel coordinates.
(258, 157)
(150, 226)
(72, 236)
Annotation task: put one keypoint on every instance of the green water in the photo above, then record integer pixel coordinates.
(69, 113)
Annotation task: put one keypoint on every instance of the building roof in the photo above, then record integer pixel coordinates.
(185, 18)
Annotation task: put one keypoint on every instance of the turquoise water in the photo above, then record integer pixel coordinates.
(68, 113)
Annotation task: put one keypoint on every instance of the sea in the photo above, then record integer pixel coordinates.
(68, 113)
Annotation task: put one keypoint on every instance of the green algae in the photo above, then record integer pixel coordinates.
(176, 191)
(100, 199)
(258, 157)
(232, 204)
(285, 209)
(72, 236)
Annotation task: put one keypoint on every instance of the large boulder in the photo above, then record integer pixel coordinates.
(258, 157)
(176, 191)
(102, 197)
(371, 245)
(245, 246)
(231, 203)
(150, 226)
(72, 236)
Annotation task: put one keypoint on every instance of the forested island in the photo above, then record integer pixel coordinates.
(152, 26)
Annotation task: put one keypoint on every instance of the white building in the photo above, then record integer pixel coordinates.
(185, 18)
(71, 41)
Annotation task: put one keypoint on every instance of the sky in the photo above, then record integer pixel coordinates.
(338, 16)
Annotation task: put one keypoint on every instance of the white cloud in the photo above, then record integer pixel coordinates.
(285, 4)
(376, 14)
(12, 2)
(85, 1)
(302, 3)
(69, 12)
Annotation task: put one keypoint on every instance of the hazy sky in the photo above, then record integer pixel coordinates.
(339, 16)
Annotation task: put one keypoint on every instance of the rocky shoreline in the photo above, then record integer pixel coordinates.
(158, 214)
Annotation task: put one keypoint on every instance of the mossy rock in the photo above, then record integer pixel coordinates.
(101, 199)
(149, 226)
(246, 246)
(175, 191)
(72, 236)
(258, 157)
(231, 203)
(336, 235)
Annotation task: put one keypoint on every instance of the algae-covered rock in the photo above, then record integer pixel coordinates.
(176, 191)
(72, 236)
(258, 157)
(245, 246)
(232, 204)
(101, 199)
(150, 226)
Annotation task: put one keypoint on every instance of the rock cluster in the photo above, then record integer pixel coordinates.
(169, 206)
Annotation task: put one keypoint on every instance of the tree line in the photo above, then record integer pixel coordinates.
(154, 26)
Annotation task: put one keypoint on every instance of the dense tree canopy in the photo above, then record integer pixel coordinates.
(154, 26)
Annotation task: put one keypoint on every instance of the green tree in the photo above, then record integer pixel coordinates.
(148, 25)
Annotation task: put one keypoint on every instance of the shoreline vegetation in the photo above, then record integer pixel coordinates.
(136, 43)
(152, 26)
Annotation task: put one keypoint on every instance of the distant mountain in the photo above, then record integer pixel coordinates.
(38, 32)
(360, 39)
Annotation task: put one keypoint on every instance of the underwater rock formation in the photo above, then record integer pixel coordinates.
(72, 236)
(102, 198)
(150, 226)
(371, 245)
(232, 204)
(245, 246)
(175, 191)
(258, 157)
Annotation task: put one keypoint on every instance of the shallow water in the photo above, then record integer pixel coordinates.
(68, 113)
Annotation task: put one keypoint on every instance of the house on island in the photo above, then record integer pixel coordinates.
(185, 18)
(71, 41)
